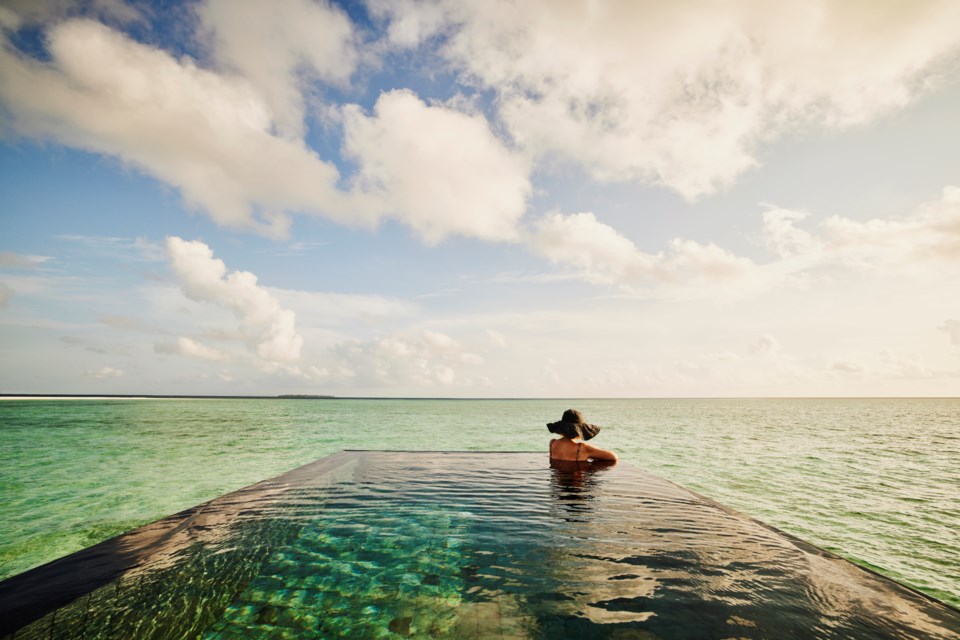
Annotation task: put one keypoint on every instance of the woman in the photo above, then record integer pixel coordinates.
(571, 447)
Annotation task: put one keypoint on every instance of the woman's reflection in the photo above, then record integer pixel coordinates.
(574, 486)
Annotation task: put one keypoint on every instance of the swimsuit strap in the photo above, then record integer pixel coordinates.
(578, 451)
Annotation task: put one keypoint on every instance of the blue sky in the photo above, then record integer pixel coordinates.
(400, 198)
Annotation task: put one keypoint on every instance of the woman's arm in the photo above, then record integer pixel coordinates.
(599, 454)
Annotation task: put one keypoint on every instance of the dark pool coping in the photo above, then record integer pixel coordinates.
(37, 592)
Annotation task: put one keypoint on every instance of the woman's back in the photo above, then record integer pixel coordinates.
(569, 450)
(566, 449)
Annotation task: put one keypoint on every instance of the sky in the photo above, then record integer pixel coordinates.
(480, 199)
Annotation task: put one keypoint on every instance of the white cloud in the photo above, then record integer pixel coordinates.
(191, 348)
(9, 259)
(17, 13)
(598, 250)
(411, 22)
(269, 329)
(280, 47)
(207, 134)
(781, 234)
(214, 136)
(923, 244)
(425, 359)
(601, 254)
(931, 233)
(9, 20)
(436, 169)
(916, 243)
(680, 94)
(104, 373)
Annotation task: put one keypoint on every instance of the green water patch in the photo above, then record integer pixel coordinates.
(19, 556)
(397, 575)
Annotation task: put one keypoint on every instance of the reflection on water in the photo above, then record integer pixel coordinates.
(574, 486)
(387, 545)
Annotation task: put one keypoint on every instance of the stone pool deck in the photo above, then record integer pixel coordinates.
(462, 545)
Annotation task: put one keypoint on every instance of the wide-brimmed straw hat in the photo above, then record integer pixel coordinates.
(572, 425)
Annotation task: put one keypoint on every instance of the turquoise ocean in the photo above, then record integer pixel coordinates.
(874, 480)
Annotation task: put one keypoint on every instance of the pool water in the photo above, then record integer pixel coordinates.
(462, 545)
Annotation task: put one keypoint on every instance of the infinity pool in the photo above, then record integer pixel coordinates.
(461, 545)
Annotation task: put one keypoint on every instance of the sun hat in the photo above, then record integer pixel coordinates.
(572, 425)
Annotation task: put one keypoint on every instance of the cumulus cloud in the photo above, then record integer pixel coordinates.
(280, 47)
(219, 136)
(922, 243)
(436, 169)
(679, 94)
(269, 329)
(210, 135)
(927, 236)
(601, 254)
(930, 233)
(425, 359)
(598, 250)
(192, 349)
(781, 233)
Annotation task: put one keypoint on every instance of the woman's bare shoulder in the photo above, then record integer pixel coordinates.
(597, 452)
